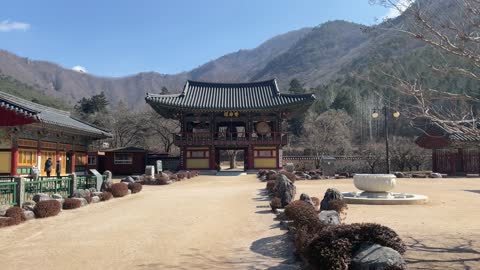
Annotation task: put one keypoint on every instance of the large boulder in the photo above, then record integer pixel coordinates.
(330, 195)
(285, 189)
(304, 197)
(329, 217)
(57, 196)
(376, 257)
(82, 193)
(95, 199)
(41, 197)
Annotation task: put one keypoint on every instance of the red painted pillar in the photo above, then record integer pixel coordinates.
(14, 164)
(72, 162)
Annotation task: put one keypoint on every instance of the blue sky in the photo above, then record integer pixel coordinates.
(120, 37)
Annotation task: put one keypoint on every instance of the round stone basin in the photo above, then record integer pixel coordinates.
(376, 189)
(375, 182)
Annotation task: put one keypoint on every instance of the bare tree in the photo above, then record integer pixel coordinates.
(327, 133)
(456, 33)
(374, 155)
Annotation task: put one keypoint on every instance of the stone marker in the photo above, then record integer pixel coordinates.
(304, 197)
(330, 194)
(285, 189)
(376, 257)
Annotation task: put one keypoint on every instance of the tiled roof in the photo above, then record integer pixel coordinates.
(442, 135)
(211, 97)
(50, 116)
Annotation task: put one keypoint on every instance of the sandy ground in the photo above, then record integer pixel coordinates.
(223, 223)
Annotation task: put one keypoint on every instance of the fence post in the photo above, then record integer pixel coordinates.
(20, 191)
(73, 184)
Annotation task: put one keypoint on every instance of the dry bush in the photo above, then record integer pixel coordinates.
(291, 176)
(271, 175)
(135, 187)
(270, 186)
(195, 173)
(48, 208)
(337, 205)
(71, 203)
(303, 215)
(333, 246)
(16, 213)
(119, 190)
(162, 181)
(275, 204)
(5, 222)
(106, 196)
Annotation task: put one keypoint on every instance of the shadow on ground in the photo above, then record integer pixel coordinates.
(463, 254)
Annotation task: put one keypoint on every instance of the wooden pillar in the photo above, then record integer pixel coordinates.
(250, 158)
(14, 161)
(72, 162)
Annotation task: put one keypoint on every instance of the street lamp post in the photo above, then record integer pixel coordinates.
(375, 115)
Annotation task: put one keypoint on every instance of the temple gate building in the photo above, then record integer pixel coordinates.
(31, 133)
(230, 116)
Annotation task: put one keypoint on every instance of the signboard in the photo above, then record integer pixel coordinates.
(159, 166)
(99, 178)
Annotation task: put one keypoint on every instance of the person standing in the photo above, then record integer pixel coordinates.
(48, 166)
(58, 168)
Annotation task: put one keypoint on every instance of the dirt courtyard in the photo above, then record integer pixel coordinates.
(223, 222)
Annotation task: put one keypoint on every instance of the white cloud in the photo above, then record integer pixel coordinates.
(79, 69)
(398, 9)
(8, 26)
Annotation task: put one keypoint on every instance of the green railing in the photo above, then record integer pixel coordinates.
(47, 185)
(8, 191)
(87, 181)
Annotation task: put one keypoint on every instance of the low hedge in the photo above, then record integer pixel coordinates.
(5, 222)
(106, 196)
(71, 203)
(302, 214)
(16, 213)
(119, 190)
(47, 208)
(275, 204)
(135, 187)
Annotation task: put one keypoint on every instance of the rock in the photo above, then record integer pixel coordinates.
(28, 214)
(285, 189)
(40, 197)
(128, 180)
(329, 217)
(376, 257)
(330, 194)
(92, 190)
(97, 193)
(28, 205)
(263, 178)
(129, 191)
(289, 167)
(57, 196)
(82, 193)
(83, 202)
(106, 185)
(399, 175)
(135, 178)
(95, 199)
(304, 197)
(3, 209)
(435, 175)
(109, 175)
(308, 177)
